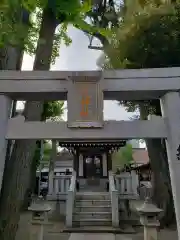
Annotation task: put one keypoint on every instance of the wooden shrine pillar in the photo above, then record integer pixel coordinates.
(76, 161)
(81, 166)
(109, 161)
(105, 164)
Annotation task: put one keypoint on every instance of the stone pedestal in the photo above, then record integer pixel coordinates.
(39, 211)
(149, 219)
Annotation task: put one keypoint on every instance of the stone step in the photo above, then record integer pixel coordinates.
(100, 229)
(92, 196)
(90, 215)
(85, 202)
(92, 222)
(105, 208)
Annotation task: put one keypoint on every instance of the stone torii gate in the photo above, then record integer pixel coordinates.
(85, 92)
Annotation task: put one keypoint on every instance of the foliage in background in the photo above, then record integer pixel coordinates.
(46, 153)
(122, 157)
(53, 110)
(145, 40)
(148, 38)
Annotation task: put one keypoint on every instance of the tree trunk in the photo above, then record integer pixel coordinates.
(11, 59)
(162, 192)
(31, 184)
(17, 172)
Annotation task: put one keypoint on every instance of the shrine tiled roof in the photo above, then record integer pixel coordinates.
(93, 144)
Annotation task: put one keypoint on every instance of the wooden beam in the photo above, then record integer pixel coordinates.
(18, 129)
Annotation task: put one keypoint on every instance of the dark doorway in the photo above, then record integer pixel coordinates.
(93, 166)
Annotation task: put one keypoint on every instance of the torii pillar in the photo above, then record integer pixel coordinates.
(170, 104)
(5, 107)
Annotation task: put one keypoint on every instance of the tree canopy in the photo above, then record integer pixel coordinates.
(20, 22)
(147, 39)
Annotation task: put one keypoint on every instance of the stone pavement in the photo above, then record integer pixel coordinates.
(102, 236)
(90, 236)
(164, 235)
(55, 232)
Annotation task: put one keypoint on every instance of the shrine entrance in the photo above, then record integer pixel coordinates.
(93, 172)
(93, 166)
(92, 160)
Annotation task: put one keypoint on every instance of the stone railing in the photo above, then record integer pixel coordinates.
(61, 184)
(114, 200)
(70, 200)
(58, 186)
(127, 184)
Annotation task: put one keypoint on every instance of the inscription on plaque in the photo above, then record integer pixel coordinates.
(85, 102)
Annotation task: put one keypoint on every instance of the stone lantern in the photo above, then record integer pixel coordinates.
(149, 219)
(39, 211)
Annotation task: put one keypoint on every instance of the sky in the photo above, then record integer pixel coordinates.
(78, 57)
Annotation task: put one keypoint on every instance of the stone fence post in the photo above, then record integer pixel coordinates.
(39, 211)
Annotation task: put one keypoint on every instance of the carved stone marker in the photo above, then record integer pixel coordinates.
(39, 211)
(85, 101)
(149, 219)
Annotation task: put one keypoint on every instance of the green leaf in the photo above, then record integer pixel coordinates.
(83, 25)
(105, 32)
(29, 5)
(86, 7)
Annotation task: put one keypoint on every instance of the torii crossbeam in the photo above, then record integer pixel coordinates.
(116, 85)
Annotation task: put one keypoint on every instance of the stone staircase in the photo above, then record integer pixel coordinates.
(92, 209)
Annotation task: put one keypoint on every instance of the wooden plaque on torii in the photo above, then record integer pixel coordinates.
(85, 101)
